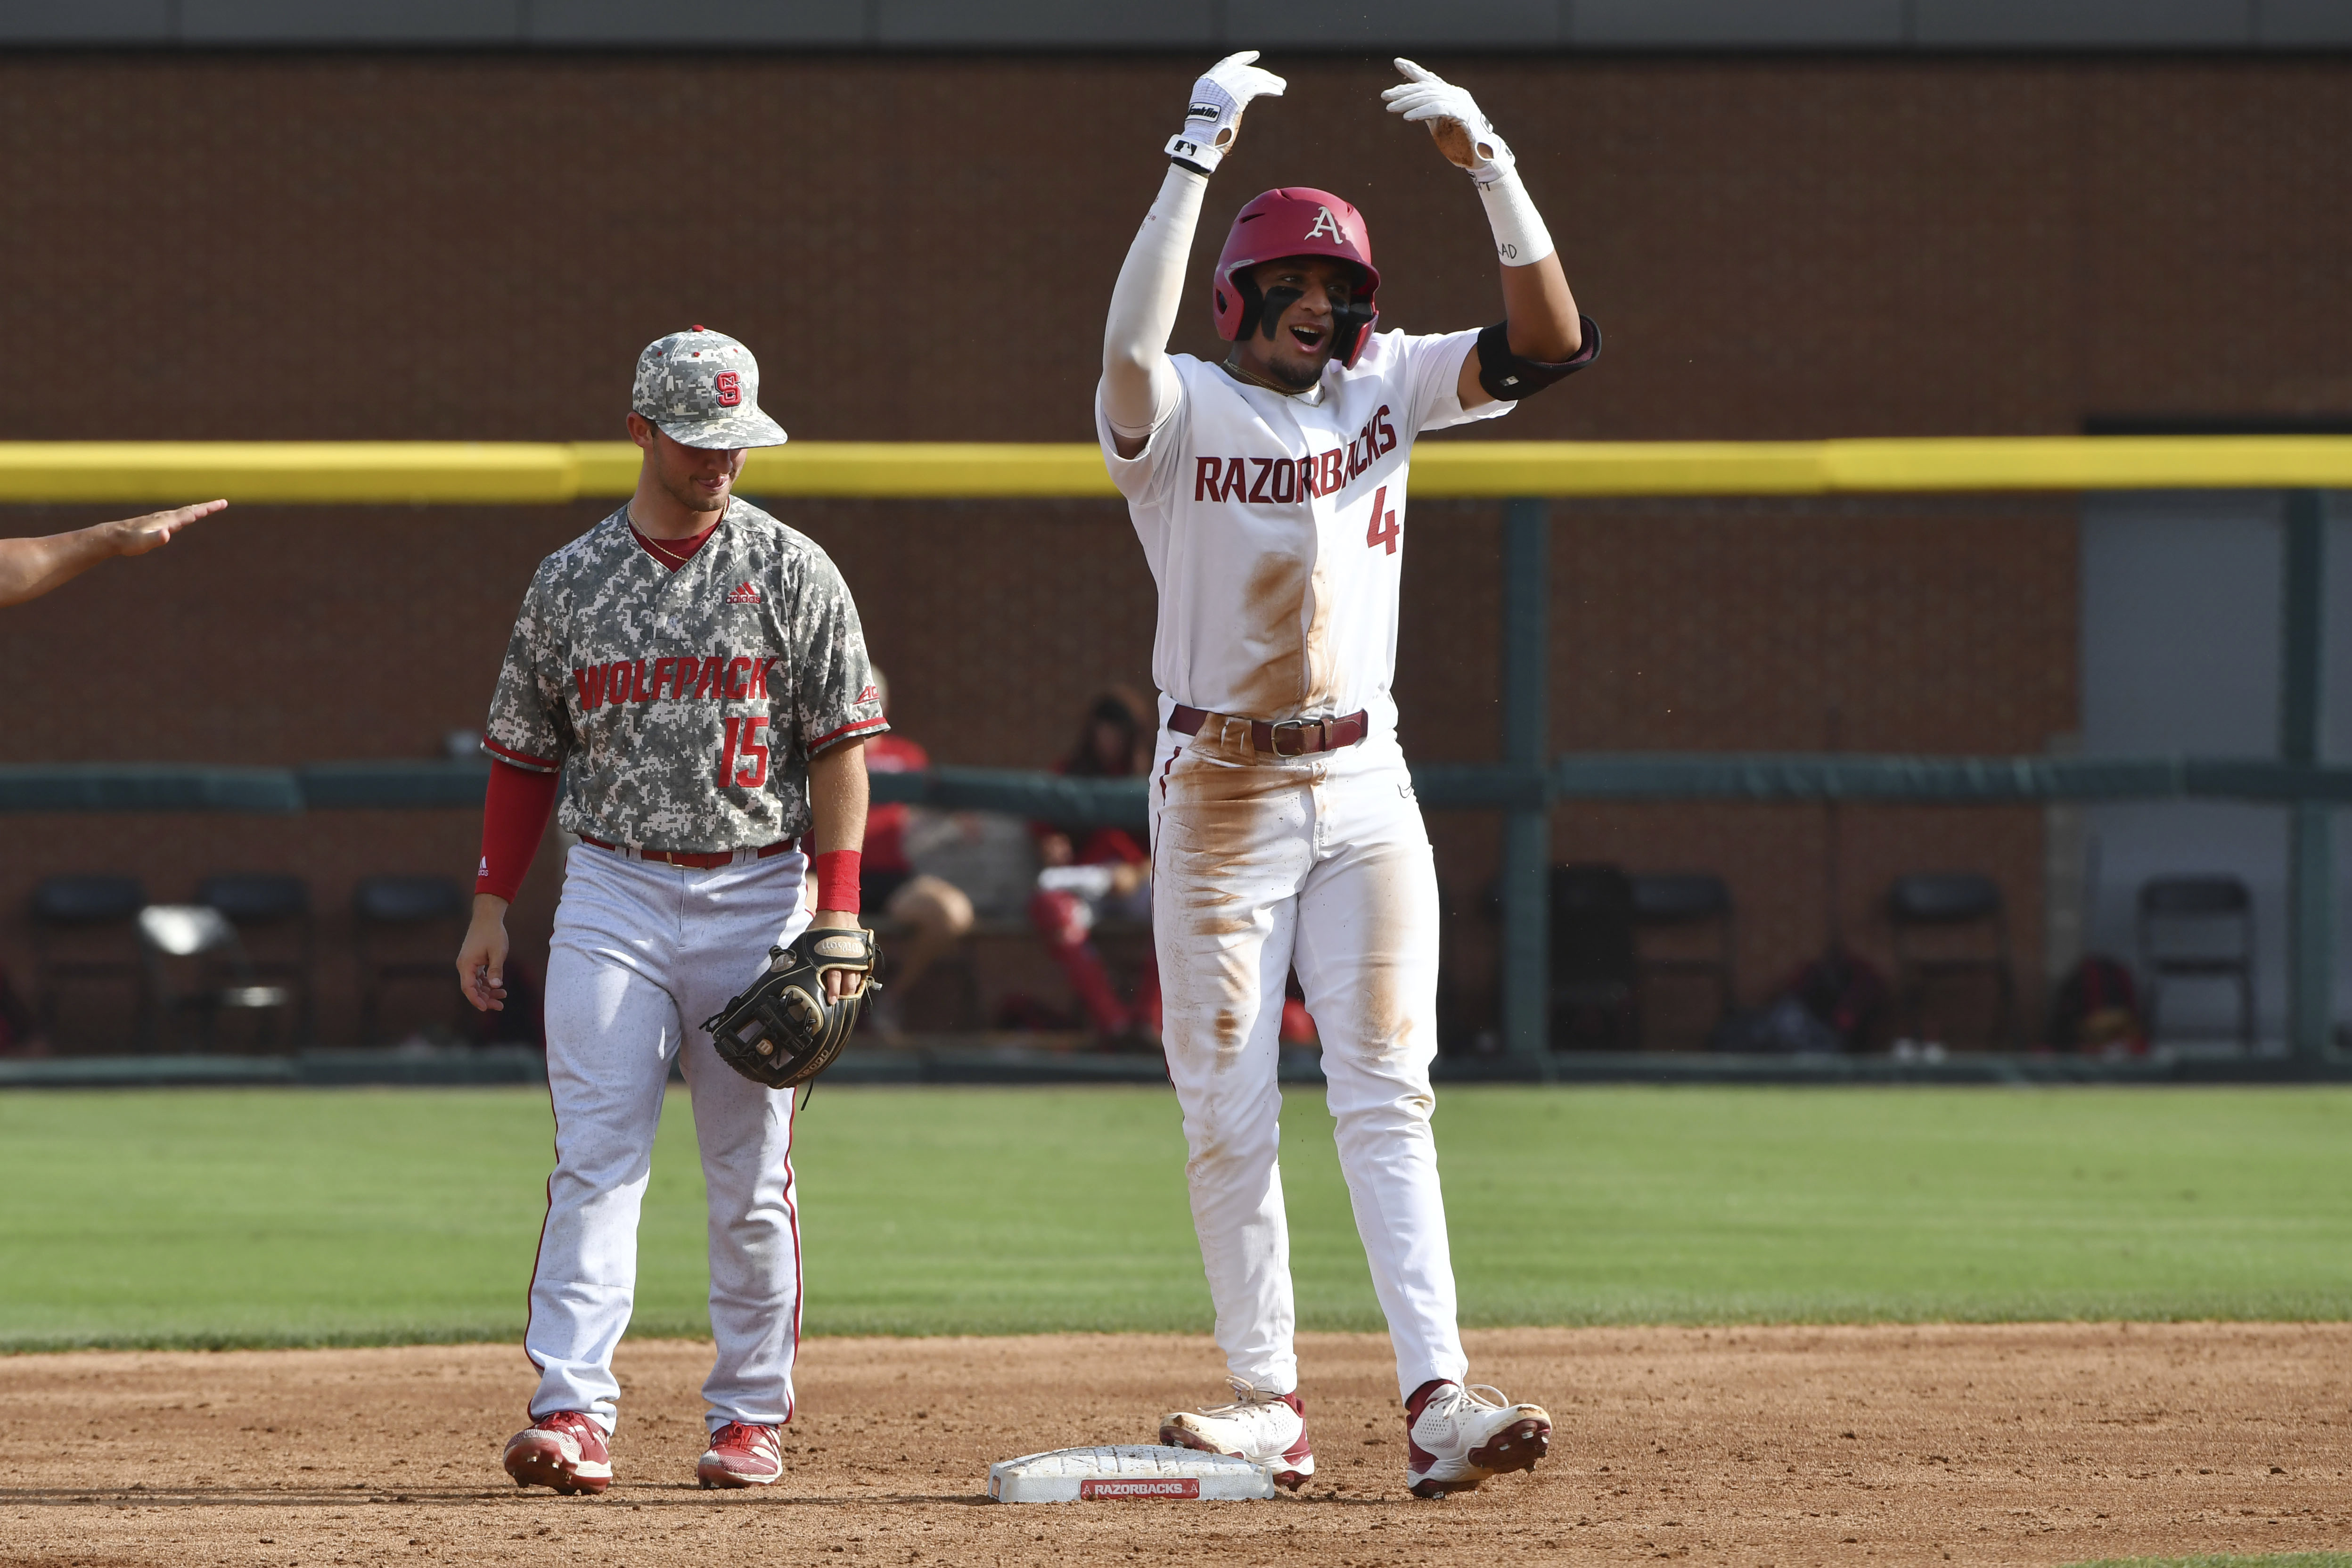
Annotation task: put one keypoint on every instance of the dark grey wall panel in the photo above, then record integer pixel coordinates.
(2084, 24)
(103, 22)
(2291, 23)
(1368, 28)
(758, 23)
(393, 22)
(1374, 26)
(1043, 23)
(1737, 24)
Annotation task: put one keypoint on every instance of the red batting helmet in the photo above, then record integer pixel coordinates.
(1295, 220)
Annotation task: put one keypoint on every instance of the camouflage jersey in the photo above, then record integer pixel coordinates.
(682, 707)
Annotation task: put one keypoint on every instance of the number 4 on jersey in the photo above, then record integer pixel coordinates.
(1384, 531)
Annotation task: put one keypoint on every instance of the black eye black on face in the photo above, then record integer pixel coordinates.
(1338, 286)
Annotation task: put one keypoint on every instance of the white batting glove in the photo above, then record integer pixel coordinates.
(1214, 118)
(1461, 133)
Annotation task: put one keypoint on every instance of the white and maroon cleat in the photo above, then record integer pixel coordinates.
(1455, 1438)
(1265, 1428)
(741, 1455)
(565, 1450)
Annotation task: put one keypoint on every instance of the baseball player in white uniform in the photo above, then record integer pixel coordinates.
(691, 676)
(1269, 493)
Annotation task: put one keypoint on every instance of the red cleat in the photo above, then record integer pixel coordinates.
(565, 1450)
(741, 1455)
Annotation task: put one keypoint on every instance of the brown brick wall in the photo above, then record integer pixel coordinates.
(456, 246)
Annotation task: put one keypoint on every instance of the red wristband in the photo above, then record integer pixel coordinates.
(836, 880)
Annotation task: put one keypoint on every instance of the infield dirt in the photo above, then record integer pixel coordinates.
(2015, 1443)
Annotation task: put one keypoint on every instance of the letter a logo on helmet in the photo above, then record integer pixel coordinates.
(1331, 228)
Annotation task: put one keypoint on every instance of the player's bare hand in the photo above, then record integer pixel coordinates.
(482, 957)
(838, 982)
(138, 535)
(1456, 122)
(1212, 119)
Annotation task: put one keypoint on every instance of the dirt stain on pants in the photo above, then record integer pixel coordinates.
(1321, 864)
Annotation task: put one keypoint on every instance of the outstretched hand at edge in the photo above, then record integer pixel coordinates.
(32, 567)
(138, 535)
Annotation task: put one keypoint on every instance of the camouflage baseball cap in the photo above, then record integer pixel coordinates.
(702, 388)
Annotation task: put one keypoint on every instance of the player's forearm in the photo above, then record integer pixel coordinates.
(1138, 385)
(838, 797)
(1543, 320)
(515, 809)
(31, 567)
(1541, 312)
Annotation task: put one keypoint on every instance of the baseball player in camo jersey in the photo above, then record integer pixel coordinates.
(1269, 493)
(691, 676)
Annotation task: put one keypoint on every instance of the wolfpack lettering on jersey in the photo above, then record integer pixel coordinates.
(1275, 528)
(665, 697)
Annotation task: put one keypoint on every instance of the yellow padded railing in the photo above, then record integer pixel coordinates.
(528, 473)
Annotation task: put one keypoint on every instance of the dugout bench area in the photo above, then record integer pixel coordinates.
(1524, 787)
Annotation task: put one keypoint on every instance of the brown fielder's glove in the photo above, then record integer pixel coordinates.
(783, 1031)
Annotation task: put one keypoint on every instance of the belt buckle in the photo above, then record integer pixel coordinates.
(1302, 725)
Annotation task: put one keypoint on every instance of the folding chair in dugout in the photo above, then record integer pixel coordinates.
(1595, 1003)
(196, 969)
(1688, 901)
(82, 932)
(2175, 912)
(391, 916)
(1923, 911)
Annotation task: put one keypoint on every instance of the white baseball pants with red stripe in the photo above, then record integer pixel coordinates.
(643, 953)
(1320, 863)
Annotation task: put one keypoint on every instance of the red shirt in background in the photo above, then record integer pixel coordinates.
(886, 824)
(1096, 846)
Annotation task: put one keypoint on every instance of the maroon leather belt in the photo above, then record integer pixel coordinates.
(1284, 737)
(699, 860)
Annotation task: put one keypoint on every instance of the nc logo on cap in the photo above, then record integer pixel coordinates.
(701, 388)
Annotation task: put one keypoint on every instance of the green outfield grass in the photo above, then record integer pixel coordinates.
(284, 1217)
(2278, 1560)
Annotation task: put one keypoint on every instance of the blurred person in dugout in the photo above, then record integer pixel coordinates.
(1096, 874)
(933, 913)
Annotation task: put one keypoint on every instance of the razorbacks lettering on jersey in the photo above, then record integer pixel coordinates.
(682, 707)
(1276, 527)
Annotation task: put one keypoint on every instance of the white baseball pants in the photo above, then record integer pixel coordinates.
(1262, 864)
(643, 953)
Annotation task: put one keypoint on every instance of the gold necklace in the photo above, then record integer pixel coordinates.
(665, 556)
(1234, 367)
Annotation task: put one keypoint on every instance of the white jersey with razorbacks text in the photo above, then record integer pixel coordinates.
(1274, 526)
